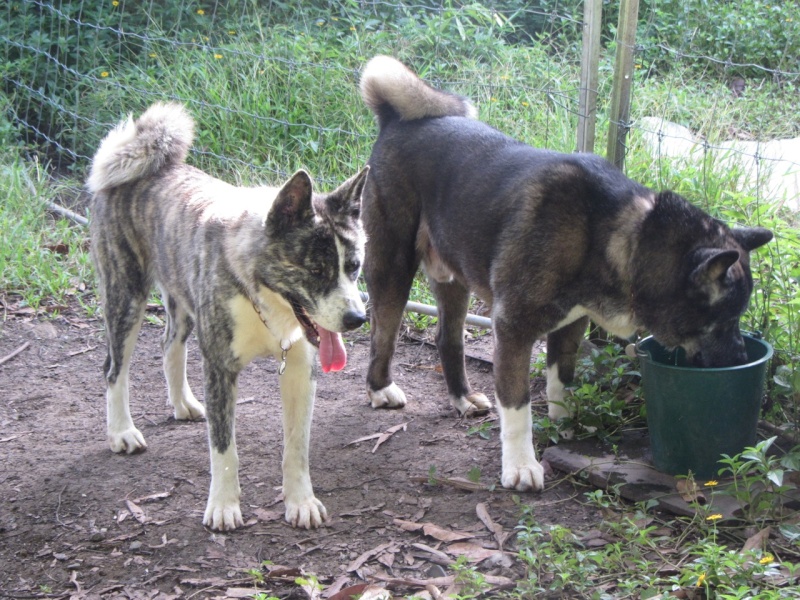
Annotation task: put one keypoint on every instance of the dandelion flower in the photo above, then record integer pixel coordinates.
(525, 104)
(352, 28)
(218, 56)
(152, 55)
(768, 558)
(115, 3)
(201, 12)
(701, 579)
(104, 74)
(712, 483)
(714, 517)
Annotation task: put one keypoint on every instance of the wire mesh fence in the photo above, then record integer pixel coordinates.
(273, 85)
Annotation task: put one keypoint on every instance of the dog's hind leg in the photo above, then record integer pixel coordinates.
(298, 388)
(562, 349)
(179, 327)
(512, 357)
(124, 310)
(452, 300)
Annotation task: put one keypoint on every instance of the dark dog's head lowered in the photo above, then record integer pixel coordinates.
(692, 281)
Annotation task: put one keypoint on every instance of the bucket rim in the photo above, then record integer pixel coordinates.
(645, 355)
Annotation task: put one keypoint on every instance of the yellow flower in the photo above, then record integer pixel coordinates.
(712, 483)
(152, 55)
(115, 3)
(701, 579)
(231, 33)
(218, 56)
(493, 99)
(352, 28)
(525, 104)
(714, 517)
(201, 12)
(768, 558)
(504, 77)
(104, 74)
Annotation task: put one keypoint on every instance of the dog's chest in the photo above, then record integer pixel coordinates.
(253, 337)
(621, 324)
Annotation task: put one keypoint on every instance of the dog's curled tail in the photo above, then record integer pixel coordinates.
(392, 91)
(137, 149)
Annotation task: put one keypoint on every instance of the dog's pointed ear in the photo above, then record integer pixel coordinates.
(751, 238)
(292, 205)
(345, 201)
(713, 265)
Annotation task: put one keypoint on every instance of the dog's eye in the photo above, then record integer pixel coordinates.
(352, 267)
(316, 271)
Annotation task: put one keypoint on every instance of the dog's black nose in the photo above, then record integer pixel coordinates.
(353, 319)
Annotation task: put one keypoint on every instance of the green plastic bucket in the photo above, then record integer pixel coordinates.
(694, 415)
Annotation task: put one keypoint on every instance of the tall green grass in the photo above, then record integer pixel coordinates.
(44, 262)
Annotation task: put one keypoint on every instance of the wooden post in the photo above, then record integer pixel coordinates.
(590, 58)
(619, 112)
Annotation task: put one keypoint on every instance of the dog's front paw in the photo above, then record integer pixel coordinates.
(128, 440)
(223, 517)
(471, 405)
(524, 477)
(308, 514)
(389, 397)
(188, 408)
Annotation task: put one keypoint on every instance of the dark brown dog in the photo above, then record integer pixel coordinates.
(548, 240)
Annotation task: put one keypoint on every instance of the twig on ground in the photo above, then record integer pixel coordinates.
(8, 357)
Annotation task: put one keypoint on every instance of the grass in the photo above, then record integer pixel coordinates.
(280, 96)
(44, 262)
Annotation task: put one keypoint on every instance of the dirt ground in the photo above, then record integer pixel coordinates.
(78, 521)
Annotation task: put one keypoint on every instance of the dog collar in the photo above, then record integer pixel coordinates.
(286, 345)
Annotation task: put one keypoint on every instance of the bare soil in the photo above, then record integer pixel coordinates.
(78, 521)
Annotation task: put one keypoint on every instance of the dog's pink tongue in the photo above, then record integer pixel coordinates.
(332, 354)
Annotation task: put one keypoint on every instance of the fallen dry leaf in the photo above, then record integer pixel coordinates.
(381, 437)
(356, 563)
(758, 540)
(135, 511)
(496, 529)
(472, 551)
(267, 516)
(362, 591)
(239, 592)
(434, 531)
(438, 553)
(689, 491)
(152, 497)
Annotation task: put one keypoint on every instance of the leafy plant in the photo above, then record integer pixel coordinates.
(758, 480)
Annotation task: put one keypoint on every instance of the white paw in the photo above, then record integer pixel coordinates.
(308, 514)
(188, 408)
(474, 404)
(389, 397)
(223, 516)
(524, 477)
(129, 440)
(558, 410)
